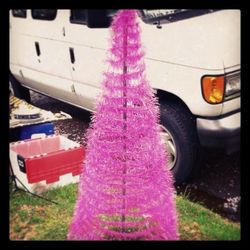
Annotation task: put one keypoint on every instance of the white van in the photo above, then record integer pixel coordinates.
(192, 61)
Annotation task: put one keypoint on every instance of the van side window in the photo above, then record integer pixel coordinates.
(78, 16)
(19, 13)
(93, 18)
(163, 16)
(44, 14)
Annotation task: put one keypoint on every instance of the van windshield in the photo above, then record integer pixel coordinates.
(154, 16)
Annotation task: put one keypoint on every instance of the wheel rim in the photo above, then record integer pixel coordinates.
(170, 147)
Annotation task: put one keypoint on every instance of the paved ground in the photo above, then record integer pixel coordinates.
(217, 185)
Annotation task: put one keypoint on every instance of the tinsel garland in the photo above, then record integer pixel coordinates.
(126, 190)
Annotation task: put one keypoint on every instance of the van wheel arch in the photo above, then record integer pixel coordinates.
(17, 89)
(181, 124)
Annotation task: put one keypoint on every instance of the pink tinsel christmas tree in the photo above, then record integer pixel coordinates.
(126, 191)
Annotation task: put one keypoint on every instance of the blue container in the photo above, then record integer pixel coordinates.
(45, 128)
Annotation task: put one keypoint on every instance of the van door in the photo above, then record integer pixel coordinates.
(89, 47)
(43, 60)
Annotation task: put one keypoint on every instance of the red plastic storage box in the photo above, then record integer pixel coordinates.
(44, 163)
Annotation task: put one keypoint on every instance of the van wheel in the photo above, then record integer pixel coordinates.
(181, 139)
(18, 90)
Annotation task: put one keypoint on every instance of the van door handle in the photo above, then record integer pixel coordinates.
(72, 55)
(38, 52)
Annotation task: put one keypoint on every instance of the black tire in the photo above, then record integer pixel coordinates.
(18, 90)
(180, 123)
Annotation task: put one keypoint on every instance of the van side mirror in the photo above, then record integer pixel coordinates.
(98, 18)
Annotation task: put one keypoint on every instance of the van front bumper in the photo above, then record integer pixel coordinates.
(220, 132)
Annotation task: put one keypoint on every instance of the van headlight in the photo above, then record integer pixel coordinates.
(232, 85)
(219, 88)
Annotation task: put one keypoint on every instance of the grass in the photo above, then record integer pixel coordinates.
(198, 223)
(32, 218)
(37, 219)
